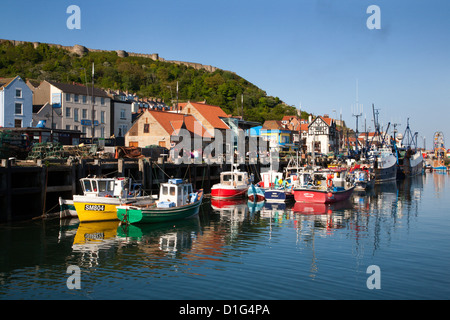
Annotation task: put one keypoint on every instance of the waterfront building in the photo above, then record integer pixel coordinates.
(162, 128)
(322, 135)
(210, 116)
(72, 106)
(279, 137)
(16, 103)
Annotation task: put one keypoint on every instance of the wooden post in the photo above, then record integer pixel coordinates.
(120, 167)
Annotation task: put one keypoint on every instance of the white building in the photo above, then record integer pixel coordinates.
(322, 137)
(16, 103)
(73, 105)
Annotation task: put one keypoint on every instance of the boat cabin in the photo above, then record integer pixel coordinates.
(271, 178)
(234, 178)
(175, 193)
(109, 187)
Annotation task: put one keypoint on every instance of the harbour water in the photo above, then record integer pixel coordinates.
(237, 251)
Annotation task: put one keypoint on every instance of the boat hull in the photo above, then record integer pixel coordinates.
(228, 193)
(101, 208)
(274, 195)
(132, 214)
(255, 193)
(321, 196)
(412, 166)
(67, 209)
(364, 185)
(386, 174)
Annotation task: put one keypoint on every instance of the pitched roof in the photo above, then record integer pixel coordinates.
(327, 120)
(173, 122)
(4, 82)
(79, 89)
(211, 113)
(273, 125)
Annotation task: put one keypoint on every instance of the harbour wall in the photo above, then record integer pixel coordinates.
(31, 189)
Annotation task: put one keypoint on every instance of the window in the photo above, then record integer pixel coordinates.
(84, 114)
(67, 126)
(18, 93)
(165, 190)
(103, 185)
(17, 123)
(67, 112)
(102, 132)
(87, 185)
(102, 101)
(172, 190)
(94, 185)
(67, 96)
(75, 98)
(102, 117)
(84, 99)
(75, 127)
(75, 114)
(122, 114)
(146, 128)
(83, 129)
(18, 108)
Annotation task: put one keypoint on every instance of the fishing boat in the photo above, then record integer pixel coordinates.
(275, 188)
(410, 159)
(384, 164)
(255, 193)
(233, 184)
(362, 177)
(322, 190)
(411, 164)
(101, 196)
(177, 200)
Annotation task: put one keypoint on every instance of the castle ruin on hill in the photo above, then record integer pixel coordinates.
(81, 50)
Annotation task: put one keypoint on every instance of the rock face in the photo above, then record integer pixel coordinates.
(122, 53)
(79, 50)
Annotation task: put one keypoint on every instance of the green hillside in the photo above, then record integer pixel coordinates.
(144, 76)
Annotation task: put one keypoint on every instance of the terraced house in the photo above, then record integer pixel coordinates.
(70, 107)
(15, 103)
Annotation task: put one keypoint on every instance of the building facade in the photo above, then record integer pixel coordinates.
(322, 136)
(75, 107)
(16, 103)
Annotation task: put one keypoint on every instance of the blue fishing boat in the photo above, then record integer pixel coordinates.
(255, 193)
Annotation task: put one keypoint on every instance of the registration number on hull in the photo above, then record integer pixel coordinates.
(94, 207)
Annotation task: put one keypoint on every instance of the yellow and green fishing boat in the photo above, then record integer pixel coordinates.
(101, 196)
(176, 201)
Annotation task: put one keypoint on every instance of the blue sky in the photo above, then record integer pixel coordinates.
(311, 52)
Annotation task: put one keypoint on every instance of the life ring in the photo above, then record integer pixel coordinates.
(329, 181)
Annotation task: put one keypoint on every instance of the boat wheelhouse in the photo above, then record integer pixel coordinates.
(177, 200)
(101, 196)
(233, 184)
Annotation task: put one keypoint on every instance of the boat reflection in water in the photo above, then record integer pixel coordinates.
(94, 241)
(166, 237)
(325, 216)
(233, 209)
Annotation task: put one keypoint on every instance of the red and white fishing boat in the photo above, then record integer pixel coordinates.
(233, 184)
(322, 190)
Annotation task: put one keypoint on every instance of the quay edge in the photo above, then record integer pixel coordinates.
(31, 189)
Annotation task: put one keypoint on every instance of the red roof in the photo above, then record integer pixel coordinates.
(173, 122)
(211, 113)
